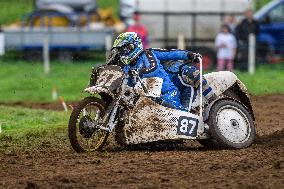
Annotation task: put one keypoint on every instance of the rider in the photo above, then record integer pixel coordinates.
(148, 64)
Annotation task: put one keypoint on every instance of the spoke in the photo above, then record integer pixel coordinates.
(85, 112)
(93, 113)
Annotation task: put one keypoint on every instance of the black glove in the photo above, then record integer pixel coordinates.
(194, 57)
(132, 72)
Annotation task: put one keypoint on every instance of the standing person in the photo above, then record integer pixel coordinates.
(140, 29)
(247, 26)
(230, 20)
(127, 8)
(226, 44)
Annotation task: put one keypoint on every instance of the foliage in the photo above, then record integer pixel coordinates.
(14, 10)
(260, 3)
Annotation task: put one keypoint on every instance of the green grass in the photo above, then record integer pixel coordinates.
(14, 10)
(24, 128)
(267, 79)
(24, 81)
(18, 119)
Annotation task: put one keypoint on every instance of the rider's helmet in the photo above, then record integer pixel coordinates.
(129, 45)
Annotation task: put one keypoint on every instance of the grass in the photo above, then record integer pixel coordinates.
(17, 119)
(14, 10)
(24, 81)
(28, 128)
(268, 79)
(33, 130)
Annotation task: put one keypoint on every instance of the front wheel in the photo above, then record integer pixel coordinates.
(231, 124)
(83, 131)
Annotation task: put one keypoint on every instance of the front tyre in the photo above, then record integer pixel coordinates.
(231, 124)
(83, 131)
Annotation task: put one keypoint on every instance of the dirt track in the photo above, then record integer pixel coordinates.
(55, 165)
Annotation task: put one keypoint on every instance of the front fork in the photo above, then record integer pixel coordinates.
(111, 117)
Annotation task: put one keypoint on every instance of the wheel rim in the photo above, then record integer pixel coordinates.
(233, 124)
(95, 112)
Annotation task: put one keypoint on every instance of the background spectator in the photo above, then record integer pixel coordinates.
(226, 45)
(247, 26)
(230, 20)
(140, 29)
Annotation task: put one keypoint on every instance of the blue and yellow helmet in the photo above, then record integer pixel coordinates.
(130, 46)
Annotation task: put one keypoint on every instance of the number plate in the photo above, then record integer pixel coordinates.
(187, 126)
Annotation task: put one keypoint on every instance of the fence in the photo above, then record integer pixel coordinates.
(199, 29)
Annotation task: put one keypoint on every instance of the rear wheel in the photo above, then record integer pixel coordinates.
(83, 131)
(231, 124)
(212, 143)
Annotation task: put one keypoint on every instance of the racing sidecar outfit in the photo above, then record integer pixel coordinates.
(148, 65)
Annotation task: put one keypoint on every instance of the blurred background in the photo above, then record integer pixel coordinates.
(51, 45)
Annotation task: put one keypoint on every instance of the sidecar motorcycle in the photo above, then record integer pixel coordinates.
(136, 116)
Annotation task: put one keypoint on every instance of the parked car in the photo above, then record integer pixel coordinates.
(271, 36)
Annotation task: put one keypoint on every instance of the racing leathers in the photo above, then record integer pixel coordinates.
(183, 77)
(148, 64)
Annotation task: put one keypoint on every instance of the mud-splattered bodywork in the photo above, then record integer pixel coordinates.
(149, 121)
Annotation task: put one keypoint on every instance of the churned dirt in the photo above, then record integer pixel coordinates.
(53, 164)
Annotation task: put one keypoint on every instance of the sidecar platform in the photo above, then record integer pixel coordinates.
(149, 122)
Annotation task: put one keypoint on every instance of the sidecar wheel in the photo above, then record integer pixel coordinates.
(231, 124)
(82, 131)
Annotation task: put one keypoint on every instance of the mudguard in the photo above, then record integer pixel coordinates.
(224, 80)
(221, 81)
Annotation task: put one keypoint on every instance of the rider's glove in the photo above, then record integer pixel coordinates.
(194, 57)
